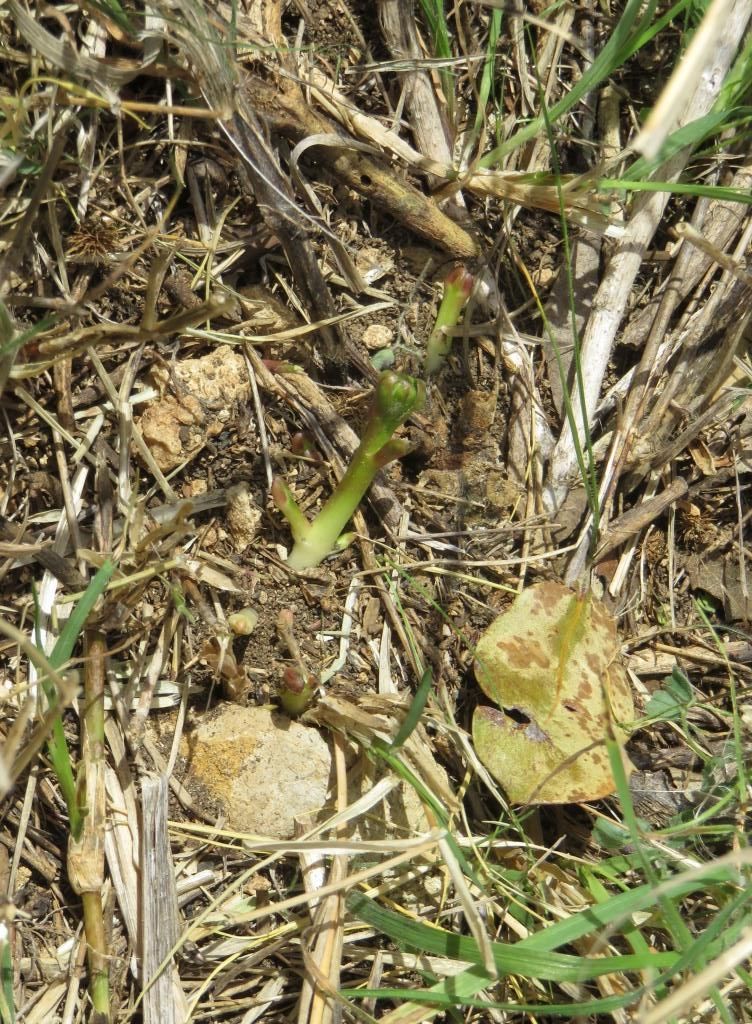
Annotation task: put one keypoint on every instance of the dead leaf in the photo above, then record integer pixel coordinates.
(549, 662)
(720, 574)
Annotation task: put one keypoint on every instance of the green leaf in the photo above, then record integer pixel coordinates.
(57, 745)
(63, 649)
(383, 359)
(609, 834)
(670, 703)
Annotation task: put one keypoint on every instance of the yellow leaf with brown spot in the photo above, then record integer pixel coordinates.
(550, 664)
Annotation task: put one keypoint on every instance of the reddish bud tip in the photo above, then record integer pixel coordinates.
(301, 444)
(280, 366)
(279, 492)
(460, 278)
(293, 680)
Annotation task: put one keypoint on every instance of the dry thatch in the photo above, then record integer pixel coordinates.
(218, 222)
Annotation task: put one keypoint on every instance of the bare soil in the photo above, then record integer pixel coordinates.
(194, 295)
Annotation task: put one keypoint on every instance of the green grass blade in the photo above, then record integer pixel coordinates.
(63, 649)
(433, 12)
(487, 76)
(622, 906)
(57, 746)
(742, 778)
(692, 135)
(397, 765)
(588, 471)
(717, 935)
(460, 989)
(7, 1002)
(10, 343)
(518, 959)
(115, 12)
(727, 195)
(677, 926)
(415, 710)
(632, 32)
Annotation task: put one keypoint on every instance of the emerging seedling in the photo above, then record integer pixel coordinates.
(244, 622)
(458, 286)
(296, 691)
(298, 684)
(395, 397)
(301, 444)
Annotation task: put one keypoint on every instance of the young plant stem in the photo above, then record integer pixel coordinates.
(7, 1000)
(284, 500)
(396, 396)
(57, 745)
(296, 692)
(298, 684)
(86, 852)
(96, 952)
(85, 797)
(458, 286)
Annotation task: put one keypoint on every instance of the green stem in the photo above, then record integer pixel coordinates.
(86, 860)
(396, 396)
(458, 286)
(57, 748)
(96, 948)
(283, 498)
(324, 531)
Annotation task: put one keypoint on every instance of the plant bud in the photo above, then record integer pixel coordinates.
(243, 623)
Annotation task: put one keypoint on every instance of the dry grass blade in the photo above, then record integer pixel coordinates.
(322, 944)
(688, 995)
(222, 88)
(196, 200)
(20, 237)
(611, 299)
(431, 133)
(62, 54)
(159, 905)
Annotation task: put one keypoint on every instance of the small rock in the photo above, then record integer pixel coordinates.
(173, 429)
(176, 426)
(377, 336)
(261, 769)
(243, 516)
(264, 772)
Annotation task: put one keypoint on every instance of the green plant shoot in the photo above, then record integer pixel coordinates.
(458, 286)
(58, 746)
(396, 396)
(296, 691)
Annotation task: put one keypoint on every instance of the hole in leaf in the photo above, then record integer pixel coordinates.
(517, 716)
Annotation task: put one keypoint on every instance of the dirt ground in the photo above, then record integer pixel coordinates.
(214, 240)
